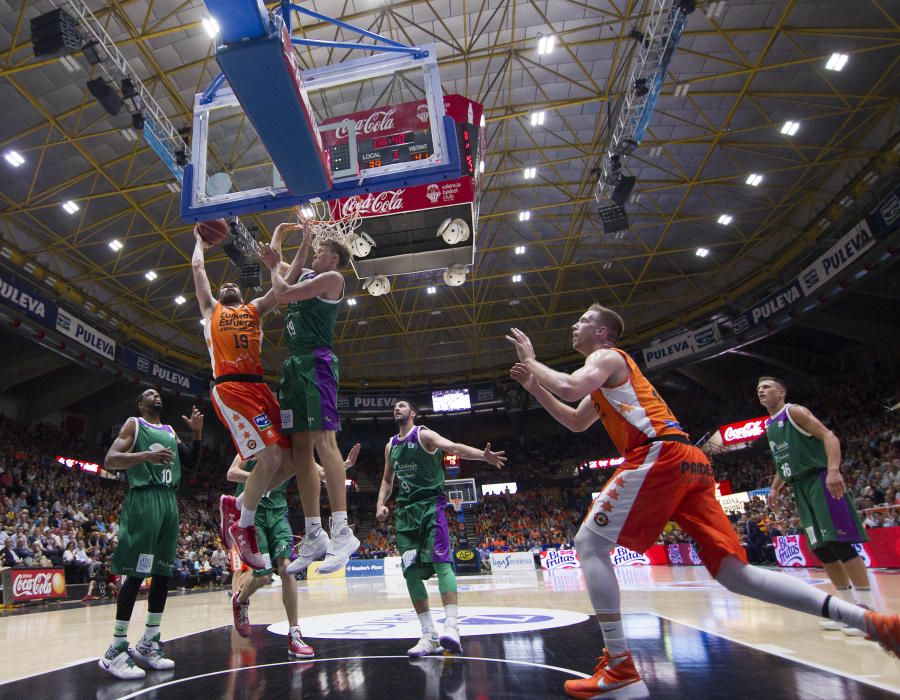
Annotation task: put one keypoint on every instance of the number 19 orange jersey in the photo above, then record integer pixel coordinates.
(234, 340)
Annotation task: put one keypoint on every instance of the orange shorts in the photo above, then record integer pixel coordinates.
(237, 564)
(250, 412)
(657, 483)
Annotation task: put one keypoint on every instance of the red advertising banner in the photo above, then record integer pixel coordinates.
(25, 585)
(407, 199)
(743, 431)
(620, 556)
(881, 551)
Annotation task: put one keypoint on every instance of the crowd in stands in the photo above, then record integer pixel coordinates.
(53, 515)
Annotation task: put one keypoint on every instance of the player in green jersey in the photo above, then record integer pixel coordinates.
(152, 456)
(414, 455)
(275, 539)
(308, 394)
(808, 457)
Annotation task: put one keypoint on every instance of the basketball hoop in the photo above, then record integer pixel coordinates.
(457, 504)
(325, 227)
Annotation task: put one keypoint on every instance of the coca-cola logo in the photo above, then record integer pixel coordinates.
(374, 123)
(433, 192)
(387, 202)
(788, 551)
(42, 584)
(744, 431)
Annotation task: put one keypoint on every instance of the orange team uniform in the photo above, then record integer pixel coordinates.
(664, 477)
(243, 401)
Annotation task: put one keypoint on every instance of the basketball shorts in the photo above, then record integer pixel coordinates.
(273, 537)
(250, 412)
(308, 392)
(422, 529)
(823, 518)
(657, 483)
(148, 533)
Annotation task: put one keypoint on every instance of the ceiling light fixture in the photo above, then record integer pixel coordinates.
(837, 62)
(520, 250)
(431, 290)
(702, 252)
(150, 275)
(537, 118)
(351, 301)
(14, 158)
(529, 173)
(546, 44)
(211, 26)
(180, 300)
(725, 219)
(790, 128)
(753, 179)
(524, 215)
(70, 207)
(517, 278)
(116, 245)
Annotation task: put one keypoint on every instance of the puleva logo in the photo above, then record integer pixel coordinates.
(404, 624)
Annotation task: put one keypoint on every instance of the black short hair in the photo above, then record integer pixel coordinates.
(412, 404)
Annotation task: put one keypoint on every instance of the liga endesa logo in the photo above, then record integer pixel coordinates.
(404, 624)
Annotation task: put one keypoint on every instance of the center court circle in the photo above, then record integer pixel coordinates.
(404, 623)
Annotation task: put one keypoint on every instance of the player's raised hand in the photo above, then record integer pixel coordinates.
(197, 237)
(381, 513)
(523, 375)
(279, 233)
(352, 456)
(195, 422)
(498, 459)
(269, 256)
(522, 343)
(834, 482)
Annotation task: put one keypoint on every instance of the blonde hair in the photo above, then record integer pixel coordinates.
(614, 324)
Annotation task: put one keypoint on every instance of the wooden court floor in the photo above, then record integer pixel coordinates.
(685, 628)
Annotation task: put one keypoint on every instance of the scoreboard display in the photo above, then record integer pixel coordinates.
(402, 147)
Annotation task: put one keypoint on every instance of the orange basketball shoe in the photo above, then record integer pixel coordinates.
(884, 629)
(611, 673)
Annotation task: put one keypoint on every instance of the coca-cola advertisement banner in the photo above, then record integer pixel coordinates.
(24, 585)
(406, 199)
(743, 431)
(405, 116)
(881, 551)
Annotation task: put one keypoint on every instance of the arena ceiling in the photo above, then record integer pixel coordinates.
(741, 70)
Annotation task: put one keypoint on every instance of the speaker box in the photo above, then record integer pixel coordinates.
(106, 95)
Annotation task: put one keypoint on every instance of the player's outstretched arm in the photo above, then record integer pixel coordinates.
(808, 423)
(201, 281)
(119, 455)
(577, 419)
(387, 485)
(598, 367)
(299, 262)
(432, 440)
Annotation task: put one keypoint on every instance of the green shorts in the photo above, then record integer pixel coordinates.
(826, 519)
(148, 533)
(273, 537)
(308, 392)
(423, 534)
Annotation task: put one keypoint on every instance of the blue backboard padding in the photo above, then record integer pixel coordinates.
(345, 188)
(239, 19)
(259, 75)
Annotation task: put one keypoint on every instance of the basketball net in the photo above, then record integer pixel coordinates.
(324, 227)
(457, 504)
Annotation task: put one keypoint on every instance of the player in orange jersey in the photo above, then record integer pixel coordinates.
(664, 477)
(243, 401)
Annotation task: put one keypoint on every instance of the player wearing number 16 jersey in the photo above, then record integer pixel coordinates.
(243, 402)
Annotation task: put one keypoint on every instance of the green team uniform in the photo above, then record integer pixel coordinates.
(148, 524)
(423, 534)
(801, 461)
(273, 532)
(309, 376)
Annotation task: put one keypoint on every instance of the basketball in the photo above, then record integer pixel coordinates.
(214, 231)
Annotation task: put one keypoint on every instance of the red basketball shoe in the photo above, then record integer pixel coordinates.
(297, 647)
(884, 629)
(612, 673)
(244, 538)
(241, 613)
(229, 514)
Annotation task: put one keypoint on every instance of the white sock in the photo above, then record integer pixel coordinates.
(240, 500)
(451, 610)
(614, 637)
(294, 628)
(338, 520)
(313, 526)
(426, 622)
(787, 591)
(247, 517)
(863, 596)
